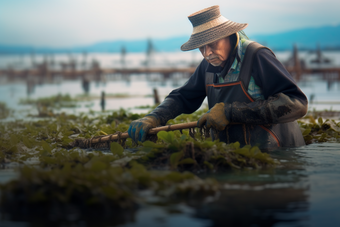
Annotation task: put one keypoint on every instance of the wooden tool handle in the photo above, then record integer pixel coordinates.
(151, 131)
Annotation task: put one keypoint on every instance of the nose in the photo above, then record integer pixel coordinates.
(207, 51)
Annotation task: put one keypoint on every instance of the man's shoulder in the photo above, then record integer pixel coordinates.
(258, 49)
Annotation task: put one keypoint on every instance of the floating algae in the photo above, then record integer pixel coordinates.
(4, 111)
(22, 140)
(317, 131)
(57, 101)
(45, 106)
(184, 153)
(113, 179)
(97, 189)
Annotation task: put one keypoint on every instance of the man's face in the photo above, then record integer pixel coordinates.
(217, 53)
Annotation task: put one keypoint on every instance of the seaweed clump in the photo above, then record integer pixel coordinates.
(4, 111)
(96, 188)
(57, 101)
(62, 181)
(320, 130)
(46, 105)
(55, 178)
(21, 140)
(191, 154)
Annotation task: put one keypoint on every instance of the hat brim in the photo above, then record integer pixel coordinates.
(212, 34)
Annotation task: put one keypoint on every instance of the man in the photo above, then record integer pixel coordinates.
(252, 98)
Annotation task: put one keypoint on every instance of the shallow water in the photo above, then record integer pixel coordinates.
(303, 191)
(322, 95)
(140, 93)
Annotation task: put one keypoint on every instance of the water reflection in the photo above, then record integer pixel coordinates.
(30, 87)
(261, 198)
(303, 191)
(265, 207)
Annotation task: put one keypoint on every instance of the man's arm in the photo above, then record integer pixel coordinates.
(284, 101)
(186, 99)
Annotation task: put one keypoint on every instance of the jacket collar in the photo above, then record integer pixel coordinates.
(237, 57)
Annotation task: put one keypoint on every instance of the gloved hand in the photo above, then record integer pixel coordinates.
(214, 118)
(139, 128)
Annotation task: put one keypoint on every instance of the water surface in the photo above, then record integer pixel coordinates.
(303, 191)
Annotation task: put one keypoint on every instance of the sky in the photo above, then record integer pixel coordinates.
(67, 23)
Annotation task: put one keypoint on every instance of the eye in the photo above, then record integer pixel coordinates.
(213, 45)
(201, 48)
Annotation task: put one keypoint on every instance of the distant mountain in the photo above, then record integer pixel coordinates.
(327, 37)
(10, 49)
(158, 45)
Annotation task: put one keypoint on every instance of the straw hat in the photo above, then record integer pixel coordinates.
(208, 26)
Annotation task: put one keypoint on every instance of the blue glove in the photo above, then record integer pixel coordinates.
(138, 129)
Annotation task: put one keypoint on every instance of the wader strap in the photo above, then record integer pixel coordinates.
(209, 79)
(247, 62)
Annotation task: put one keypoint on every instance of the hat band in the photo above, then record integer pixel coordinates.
(210, 24)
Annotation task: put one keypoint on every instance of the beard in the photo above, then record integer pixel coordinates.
(215, 64)
(214, 60)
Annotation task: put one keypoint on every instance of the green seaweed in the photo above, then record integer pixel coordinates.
(52, 172)
(53, 101)
(4, 111)
(115, 188)
(185, 153)
(46, 105)
(320, 130)
(122, 115)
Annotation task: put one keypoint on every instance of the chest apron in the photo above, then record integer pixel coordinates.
(266, 137)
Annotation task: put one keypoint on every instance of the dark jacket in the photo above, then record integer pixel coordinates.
(279, 90)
